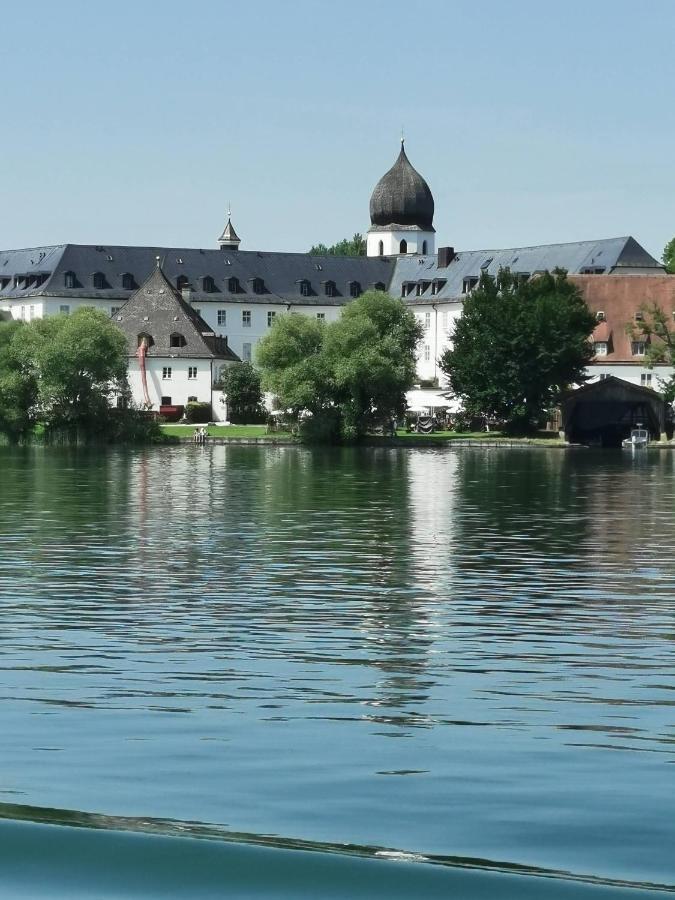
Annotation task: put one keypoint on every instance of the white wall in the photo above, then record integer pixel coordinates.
(437, 321)
(392, 242)
(179, 386)
(631, 372)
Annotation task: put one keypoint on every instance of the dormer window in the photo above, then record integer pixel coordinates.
(437, 285)
(600, 348)
(330, 289)
(182, 282)
(600, 316)
(639, 317)
(469, 283)
(305, 287)
(354, 289)
(128, 281)
(233, 285)
(421, 287)
(208, 284)
(98, 280)
(145, 338)
(177, 340)
(258, 286)
(69, 280)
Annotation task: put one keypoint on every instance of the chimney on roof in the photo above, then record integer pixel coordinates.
(445, 256)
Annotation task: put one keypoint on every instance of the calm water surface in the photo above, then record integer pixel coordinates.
(377, 673)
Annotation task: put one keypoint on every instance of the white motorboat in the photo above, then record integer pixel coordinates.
(638, 440)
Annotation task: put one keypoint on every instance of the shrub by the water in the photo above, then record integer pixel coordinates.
(198, 413)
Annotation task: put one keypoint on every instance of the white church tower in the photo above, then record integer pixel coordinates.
(401, 213)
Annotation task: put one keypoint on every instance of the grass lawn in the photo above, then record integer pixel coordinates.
(226, 431)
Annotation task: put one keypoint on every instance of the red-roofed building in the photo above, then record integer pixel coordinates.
(617, 301)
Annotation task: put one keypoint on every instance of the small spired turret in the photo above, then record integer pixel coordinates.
(229, 240)
(401, 212)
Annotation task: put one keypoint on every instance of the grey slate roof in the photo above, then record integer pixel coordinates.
(282, 273)
(402, 197)
(157, 309)
(614, 255)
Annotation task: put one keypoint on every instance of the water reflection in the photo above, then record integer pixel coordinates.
(455, 652)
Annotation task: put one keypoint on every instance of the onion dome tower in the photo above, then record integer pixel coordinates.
(401, 212)
(229, 239)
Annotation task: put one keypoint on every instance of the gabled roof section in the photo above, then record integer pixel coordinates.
(634, 256)
(280, 272)
(157, 309)
(610, 254)
(31, 261)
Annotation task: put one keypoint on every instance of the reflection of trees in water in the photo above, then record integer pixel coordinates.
(549, 533)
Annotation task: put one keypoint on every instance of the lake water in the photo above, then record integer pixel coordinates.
(281, 672)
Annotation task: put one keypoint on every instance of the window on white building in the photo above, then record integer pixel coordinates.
(246, 318)
(444, 320)
(427, 352)
(31, 312)
(271, 316)
(427, 321)
(165, 401)
(192, 371)
(600, 348)
(321, 316)
(23, 312)
(646, 379)
(114, 310)
(222, 317)
(64, 310)
(166, 373)
(246, 352)
(637, 348)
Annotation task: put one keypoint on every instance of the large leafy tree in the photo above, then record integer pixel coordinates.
(355, 246)
(241, 383)
(518, 345)
(18, 387)
(656, 329)
(669, 256)
(350, 374)
(77, 363)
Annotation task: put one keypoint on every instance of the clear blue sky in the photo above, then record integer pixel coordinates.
(136, 122)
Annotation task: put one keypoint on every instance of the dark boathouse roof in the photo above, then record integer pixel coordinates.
(402, 197)
(173, 328)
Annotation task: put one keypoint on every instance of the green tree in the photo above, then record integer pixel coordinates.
(18, 387)
(241, 383)
(346, 247)
(668, 257)
(518, 345)
(78, 363)
(350, 374)
(655, 329)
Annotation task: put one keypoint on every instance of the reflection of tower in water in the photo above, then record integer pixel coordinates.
(432, 486)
